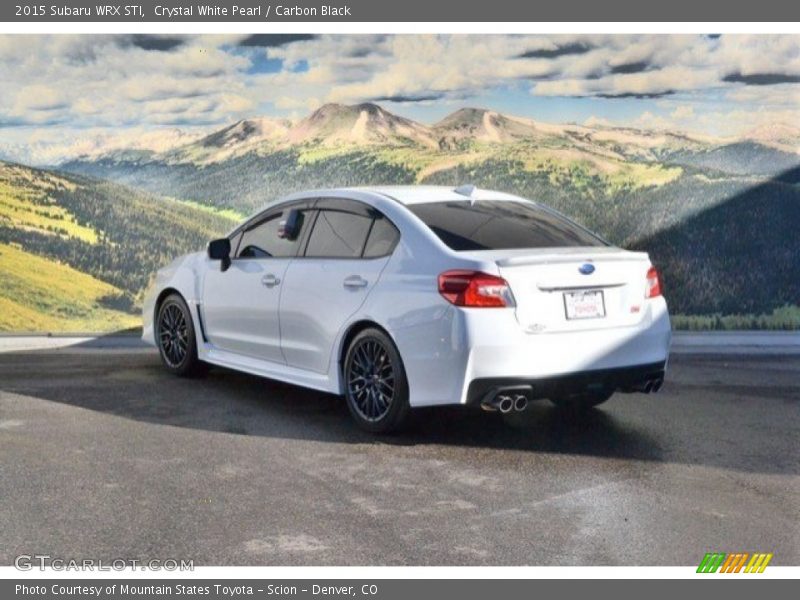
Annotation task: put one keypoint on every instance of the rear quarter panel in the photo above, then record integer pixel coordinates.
(428, 331)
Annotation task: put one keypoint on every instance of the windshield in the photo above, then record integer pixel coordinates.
(501, 225)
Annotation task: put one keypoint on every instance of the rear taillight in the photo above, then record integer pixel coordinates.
(475, 289)
(652, 288)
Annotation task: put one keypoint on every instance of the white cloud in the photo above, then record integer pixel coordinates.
(786, 95)
(359, 69)
(116, 80)
(41, 148)
(38, 97)
(684, 112)
(667, 80)
(107, 82)
(648, 120)
(595, 121)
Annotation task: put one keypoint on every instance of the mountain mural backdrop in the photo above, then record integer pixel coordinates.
(719, 216)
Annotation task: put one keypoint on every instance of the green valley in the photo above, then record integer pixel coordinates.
(718, 216)
(76, 253)
(41, 294)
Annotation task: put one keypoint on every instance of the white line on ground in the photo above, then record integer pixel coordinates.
(87, 343)
(683, 342)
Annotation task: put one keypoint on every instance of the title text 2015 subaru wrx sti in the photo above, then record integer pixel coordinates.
(401, 297)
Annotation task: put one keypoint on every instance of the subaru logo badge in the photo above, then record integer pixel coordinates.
(586, 268)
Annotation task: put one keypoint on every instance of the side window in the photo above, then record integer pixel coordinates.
(382, 238)
(338, 234)
(263, 241)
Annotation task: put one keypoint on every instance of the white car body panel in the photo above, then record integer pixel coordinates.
(233, 322)
(295, 331)
(310, 322)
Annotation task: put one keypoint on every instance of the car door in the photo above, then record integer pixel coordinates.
(344, 254)
(240, 305)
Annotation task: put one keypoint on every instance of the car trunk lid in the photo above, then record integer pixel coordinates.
(569, 289)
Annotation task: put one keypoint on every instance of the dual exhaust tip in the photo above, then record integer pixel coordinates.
(506, 403)
(651, 386)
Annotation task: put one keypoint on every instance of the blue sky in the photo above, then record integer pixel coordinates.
(62, 94)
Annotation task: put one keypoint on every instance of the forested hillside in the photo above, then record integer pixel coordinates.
(710, 213)
(247, 182)
(719, 217)
(102, 240)
(739, 253)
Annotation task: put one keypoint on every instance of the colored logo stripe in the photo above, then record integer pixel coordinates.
(711, 562)
(758, 563)
(734, 562)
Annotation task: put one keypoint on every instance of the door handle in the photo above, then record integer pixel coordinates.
(355, 281)
(270, 280)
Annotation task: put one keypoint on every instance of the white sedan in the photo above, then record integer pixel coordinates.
(401, 297)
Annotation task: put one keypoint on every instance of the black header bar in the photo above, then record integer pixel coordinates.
(255, 11)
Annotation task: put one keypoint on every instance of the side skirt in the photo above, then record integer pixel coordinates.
(268, 369)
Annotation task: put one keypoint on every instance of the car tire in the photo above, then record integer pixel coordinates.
(376, 388)
(176, 338)
(582, 402)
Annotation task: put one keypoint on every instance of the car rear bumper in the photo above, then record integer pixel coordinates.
(627, 379)
(446, 348)
(503, 352)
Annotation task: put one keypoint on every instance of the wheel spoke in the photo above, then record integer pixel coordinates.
(383, 398)
(373, 403)
(360, 361)
(358, 367)
(370, 380)
(173, 334)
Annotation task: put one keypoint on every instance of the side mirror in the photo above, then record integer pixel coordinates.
(220, 250)
(290, 228)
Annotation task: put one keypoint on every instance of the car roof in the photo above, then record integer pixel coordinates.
(407, 194)
(419, 194)
(403, 194)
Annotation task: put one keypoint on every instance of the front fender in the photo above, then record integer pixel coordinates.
(183, 275)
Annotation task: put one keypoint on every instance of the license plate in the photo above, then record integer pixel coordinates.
(584, 305)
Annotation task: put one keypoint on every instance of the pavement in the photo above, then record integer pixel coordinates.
(736, 342)
(104, 455)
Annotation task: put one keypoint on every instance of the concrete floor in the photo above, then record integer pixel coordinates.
(104, 455)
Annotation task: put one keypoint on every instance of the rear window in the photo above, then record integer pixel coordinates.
(501, 225)
(382, 238)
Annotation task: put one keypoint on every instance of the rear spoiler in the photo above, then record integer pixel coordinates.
(553, 259)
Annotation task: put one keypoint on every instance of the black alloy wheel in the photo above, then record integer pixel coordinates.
(175, 335)
(375, 382)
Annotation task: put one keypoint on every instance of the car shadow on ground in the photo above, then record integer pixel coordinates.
(541, 428)
(657, 428)
(136, 386)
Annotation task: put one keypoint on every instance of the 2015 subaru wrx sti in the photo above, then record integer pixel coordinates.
(399, 297)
